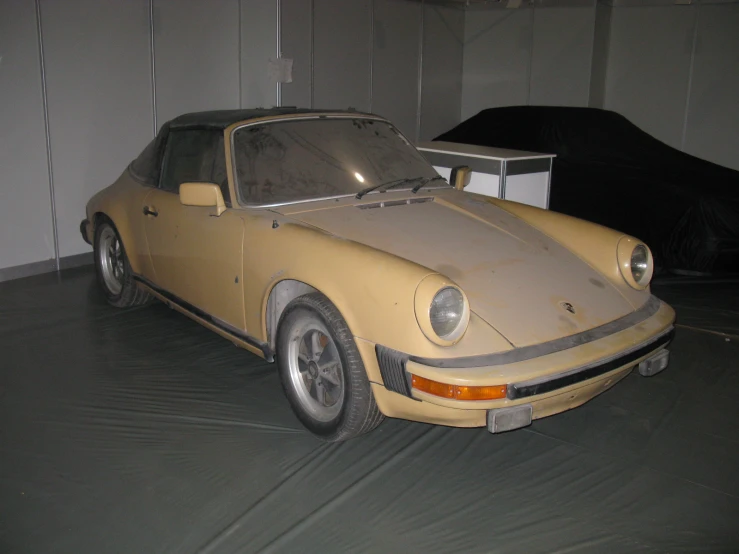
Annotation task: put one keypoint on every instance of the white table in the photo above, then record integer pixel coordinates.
(499, 172)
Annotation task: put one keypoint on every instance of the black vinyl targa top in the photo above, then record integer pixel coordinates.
(220, 119)
(147, 166)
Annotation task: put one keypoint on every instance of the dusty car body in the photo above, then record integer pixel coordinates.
(325, 242)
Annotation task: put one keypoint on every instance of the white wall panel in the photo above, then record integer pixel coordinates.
(258, 47)
(648, 67)
(99, 95)
(397, 46)
(197, 56)
(441, 94)
(342, 50)
(497, 55)
(562, 55)
(297, 43)
(631, 58)
(713, 110)
(26, 233)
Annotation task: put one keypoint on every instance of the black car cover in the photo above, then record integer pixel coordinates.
(609, 171)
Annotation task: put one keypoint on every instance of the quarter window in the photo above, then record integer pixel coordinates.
(195, 155)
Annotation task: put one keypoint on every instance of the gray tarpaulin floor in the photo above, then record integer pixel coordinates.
(140, 431)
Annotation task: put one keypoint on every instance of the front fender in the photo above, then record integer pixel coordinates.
(373, 290)
(594, 244)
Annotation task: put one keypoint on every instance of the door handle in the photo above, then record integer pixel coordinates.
(148, 210)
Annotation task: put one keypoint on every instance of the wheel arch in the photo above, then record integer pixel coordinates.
(122, 228)
(373, 290)
(281, 294)
(99, 217)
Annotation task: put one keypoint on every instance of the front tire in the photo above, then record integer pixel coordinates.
(322, 372)
(114, 273)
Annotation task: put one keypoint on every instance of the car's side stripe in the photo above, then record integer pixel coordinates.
(269, 354)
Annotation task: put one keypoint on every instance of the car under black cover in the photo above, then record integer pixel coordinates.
(609, 171)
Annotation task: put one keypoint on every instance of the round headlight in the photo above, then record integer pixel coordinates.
(446, 312)
(635, 262)
(639, 263)
(442, 310)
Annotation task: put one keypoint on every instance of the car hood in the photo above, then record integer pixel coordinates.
(527, 286)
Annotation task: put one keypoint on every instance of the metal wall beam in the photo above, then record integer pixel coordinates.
(49, 164)
(152, 63)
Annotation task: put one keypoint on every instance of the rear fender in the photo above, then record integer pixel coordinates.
(122, 203)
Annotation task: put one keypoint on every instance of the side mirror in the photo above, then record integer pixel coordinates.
(460, 177)
(202, 194)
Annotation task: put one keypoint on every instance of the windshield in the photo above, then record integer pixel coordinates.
(308, 159)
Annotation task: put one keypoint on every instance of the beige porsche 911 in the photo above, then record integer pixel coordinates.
(325, 242)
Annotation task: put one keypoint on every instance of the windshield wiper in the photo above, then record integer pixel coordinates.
(425, 182)
(388, 185)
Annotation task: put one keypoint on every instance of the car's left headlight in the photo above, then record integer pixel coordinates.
(442, 310)
(635, 262)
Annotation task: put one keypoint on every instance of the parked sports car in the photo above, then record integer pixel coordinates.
(325, 242)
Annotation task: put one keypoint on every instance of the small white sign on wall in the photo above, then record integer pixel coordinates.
(280, 70)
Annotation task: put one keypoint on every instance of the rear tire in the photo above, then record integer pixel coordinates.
(114, 273)
(322, 372)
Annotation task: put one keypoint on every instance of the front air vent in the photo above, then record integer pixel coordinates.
(392, 369)
(396, 203)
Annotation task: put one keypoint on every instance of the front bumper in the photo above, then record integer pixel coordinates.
(551, 383)
(501, 420)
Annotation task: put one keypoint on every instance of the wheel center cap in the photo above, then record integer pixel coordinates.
(313, 369)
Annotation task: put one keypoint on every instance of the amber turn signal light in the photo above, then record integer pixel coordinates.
(458, 392)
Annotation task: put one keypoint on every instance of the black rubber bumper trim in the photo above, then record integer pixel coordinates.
(549, 384)
(523, 353)
(269, 354)
(83, 231)
(392, 368)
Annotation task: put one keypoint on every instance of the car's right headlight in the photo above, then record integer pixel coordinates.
(635, 262)
(442, 310)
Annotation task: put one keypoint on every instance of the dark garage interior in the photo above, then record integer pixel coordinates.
(137, 430)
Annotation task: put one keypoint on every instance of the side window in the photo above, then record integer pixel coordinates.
(219, 175)
(195, 155)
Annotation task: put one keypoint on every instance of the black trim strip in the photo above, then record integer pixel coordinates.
(392, 369)
(269, 355)
(549, 384)
(650, 308)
